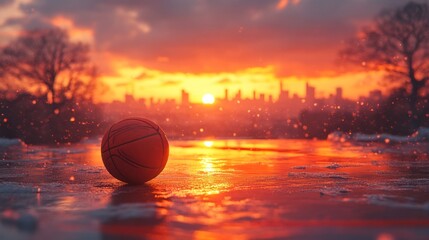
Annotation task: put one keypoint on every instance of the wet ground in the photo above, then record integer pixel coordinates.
(231, 189)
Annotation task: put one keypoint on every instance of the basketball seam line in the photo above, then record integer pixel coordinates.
(114, 133)
(147, 122)
(134, 140)
(163, 150)
(150, 123)
(127, 128)
(131, 162)
(110, 155)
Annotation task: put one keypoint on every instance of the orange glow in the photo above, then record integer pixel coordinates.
(158, 77)
(208, 98)
(61, 21)
(130, 77)
(284, 3)
(76, 33)
(149, 59)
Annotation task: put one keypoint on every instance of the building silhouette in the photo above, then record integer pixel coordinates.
(185, 98)
(260, 115)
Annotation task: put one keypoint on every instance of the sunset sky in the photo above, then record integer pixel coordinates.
(157, 48)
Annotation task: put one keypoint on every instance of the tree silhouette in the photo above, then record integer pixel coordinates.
(397, 43)
(46, 61)
(53, 83)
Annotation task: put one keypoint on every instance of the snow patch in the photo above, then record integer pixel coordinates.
(334, 191)
(11, 187)
(333, 166)
(395, 201)
(421, 135)
(5, 142)
(24, 220)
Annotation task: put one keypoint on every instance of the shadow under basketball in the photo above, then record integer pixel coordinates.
(140, 213)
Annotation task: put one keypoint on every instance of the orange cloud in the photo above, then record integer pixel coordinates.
(284, 3)
(76, 33)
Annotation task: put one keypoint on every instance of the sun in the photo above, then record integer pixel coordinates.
(208, 98)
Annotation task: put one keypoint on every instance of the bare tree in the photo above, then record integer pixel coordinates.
(48, 60)
(397, 43)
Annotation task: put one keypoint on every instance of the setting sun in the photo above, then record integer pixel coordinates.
(208, 98)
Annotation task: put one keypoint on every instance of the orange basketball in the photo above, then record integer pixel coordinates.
(134, 150)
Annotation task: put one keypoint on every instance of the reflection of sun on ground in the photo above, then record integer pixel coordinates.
(207, 165)
(208, 98)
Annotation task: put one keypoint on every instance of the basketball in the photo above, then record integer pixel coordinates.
(134, 150)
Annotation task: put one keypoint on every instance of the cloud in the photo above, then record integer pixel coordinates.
(199, 36)
(170, 83)
(5, 3)
(143, 76)
(224, 81)
(122, 84)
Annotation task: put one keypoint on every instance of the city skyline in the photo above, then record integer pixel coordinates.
(260, 116)
(283, 95)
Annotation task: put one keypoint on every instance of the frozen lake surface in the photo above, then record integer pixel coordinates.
(231, 189)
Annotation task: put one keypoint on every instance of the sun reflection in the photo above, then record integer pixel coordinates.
(207, 165)
(66, 203)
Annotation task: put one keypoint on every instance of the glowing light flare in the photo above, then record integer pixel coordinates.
(208, 98)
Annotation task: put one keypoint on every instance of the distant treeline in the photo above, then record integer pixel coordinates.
(392, 114)
(34, 121)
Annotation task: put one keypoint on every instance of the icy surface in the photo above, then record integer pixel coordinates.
(231, 189)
